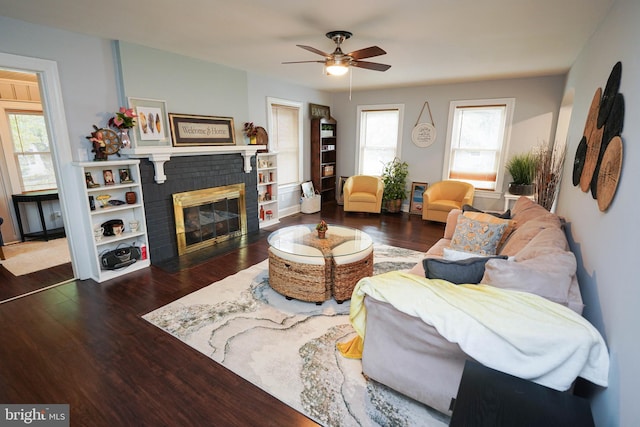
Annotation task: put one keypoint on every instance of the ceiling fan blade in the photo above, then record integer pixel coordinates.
(314, 50)
(302, 62)
(367, 52)
(370, 65)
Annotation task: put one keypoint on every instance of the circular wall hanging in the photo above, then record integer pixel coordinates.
(592, 115)
(591, 160)
(609, 94)
(423, 134)
(578, 162)
(609, 173)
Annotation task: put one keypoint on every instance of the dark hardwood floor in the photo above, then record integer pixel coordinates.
(85, 344)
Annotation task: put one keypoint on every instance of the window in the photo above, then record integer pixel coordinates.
(286, 139)
(32, 151)
(379, 137)
(477, 137)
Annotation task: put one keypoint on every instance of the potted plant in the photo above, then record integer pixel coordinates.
(522, 168)
(322, 228)
(394, 177)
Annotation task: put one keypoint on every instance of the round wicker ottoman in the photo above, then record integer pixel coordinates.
(307, 268)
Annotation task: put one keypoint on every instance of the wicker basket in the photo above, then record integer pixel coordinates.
(305, 282)
(345, 276)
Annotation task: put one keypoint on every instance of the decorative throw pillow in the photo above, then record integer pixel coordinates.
(469, 270)
(481, 216)
(549, 276)
(505, 215)
(453, 255)
(479, 237)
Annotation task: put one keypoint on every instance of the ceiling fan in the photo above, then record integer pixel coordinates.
(338, 63)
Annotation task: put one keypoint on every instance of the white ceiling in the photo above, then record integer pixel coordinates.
(427, 41)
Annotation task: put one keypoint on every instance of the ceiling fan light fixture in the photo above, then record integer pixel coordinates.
(337, 69)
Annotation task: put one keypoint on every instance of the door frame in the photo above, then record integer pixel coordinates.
(53, 110)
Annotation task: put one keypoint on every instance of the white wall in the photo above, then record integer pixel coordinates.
(606, 244)
(536, 111)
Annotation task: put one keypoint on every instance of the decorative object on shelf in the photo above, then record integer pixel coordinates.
(104, 142)
(104, 200)
(548, 174)
(98, 232)
(251, 132)
(189, 130)
(111, 225)
(130, 197)
(424, 134)
(123, 120)
(89, 180)
(125, 142)
(322, 228)
(134, 225)
(262, 138)
(152, 124)
(394, 177)
(522, 168)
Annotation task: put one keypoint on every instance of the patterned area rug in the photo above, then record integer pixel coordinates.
(288, 347)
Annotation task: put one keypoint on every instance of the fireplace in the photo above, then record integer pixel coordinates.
(209, 216)
(188, 174)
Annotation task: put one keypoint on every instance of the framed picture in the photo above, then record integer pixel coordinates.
(187, 129)
(307, 189)
(152, 126)
(318, 111)
(341, 182)
(107, 174)
(417, 188)
(125, 175)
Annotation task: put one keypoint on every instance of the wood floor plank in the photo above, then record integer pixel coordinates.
(85, 344)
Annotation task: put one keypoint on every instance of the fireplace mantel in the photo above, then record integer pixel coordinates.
(159, 155)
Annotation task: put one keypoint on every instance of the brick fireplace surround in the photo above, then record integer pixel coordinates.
(189, 174)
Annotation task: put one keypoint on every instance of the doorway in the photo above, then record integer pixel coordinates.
(46, 84)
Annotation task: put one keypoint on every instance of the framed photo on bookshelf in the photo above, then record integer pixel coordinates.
(107, 174)
(125, 175)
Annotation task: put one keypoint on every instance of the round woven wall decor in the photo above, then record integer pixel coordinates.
(591, 160)
(578, 162)
(609, 94)
(609, 173)
(592, 115)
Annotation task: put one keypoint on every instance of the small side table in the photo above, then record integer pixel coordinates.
(491, 398)
(508, 198)
(37, 197)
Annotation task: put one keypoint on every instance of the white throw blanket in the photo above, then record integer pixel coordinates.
(515, 332)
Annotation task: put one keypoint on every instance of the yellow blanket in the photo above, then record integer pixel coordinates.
(515, 332)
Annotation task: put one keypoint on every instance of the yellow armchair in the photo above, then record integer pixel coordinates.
(363, 193)
(441, 197)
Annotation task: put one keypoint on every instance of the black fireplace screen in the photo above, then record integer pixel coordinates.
(211, 220)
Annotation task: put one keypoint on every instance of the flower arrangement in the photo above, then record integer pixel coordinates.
(322, 226)
(125, 118)
(250, 129)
